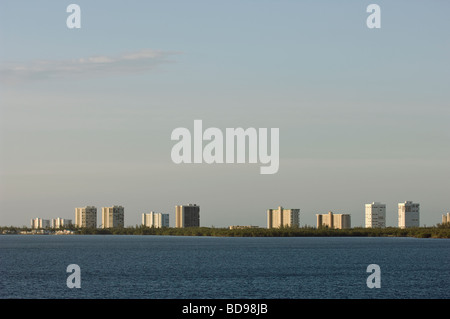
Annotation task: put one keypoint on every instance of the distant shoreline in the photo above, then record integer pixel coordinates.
(440, 231)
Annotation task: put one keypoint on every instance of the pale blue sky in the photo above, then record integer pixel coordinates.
(363, 113)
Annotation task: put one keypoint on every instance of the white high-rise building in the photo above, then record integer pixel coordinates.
(334, 221)
(86, 217)
(375, 215)
(39, 223)
(446, 218)
(35, 223)
(60, 222)
(156, 220)
(282, 217)
(113, 217)
(408, 214)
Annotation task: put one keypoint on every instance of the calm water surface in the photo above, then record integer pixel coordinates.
(212, 267)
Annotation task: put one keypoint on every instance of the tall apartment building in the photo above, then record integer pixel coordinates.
(335, 221)
(86, 217)
(446, 218)
(156, 220)
(187, 216)
(282, 217)
(39, 223)
(408, 214)
(113, 217)
(375, 215)
(60, 222)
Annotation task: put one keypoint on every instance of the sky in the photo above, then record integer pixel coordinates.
(86, 114)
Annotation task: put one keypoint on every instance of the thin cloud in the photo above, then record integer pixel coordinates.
(94, 66)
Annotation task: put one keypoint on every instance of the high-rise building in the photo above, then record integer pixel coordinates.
(187, 216)
(375, 215)
(335, 221)
(86, 217)
(113, 217)
(282, 217)
(35, 223)
(408, 214)
(156, 220)
(39, 223)
(61, 222)
(446, 218)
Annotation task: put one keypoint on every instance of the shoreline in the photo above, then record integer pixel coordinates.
(441, 231)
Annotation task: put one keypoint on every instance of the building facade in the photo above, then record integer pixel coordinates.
(334, 221)
(375, 215)
(187, 216)
(446, 218)
(39, 223)
(408, 214)
(282, 217)
(113, 217)
(86, 217)
(60, 222)
(156, 220)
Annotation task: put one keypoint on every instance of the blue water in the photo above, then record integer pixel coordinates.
(159, 267)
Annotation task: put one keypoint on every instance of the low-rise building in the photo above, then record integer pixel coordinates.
(242, 227)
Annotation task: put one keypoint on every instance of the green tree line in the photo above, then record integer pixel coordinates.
(438, 231)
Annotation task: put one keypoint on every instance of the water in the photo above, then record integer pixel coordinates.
(160, 267)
